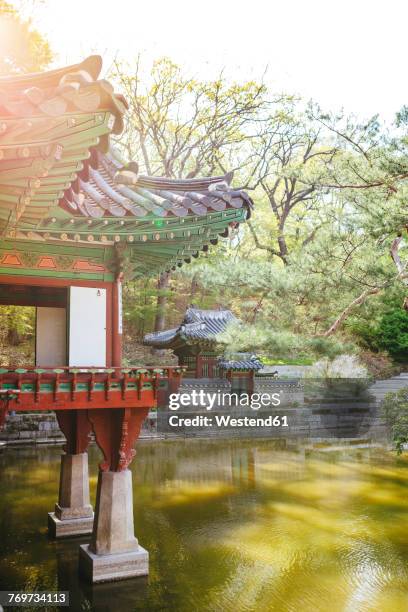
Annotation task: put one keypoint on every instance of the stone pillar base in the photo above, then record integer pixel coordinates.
(73, 513)
(113, 529)
(116, 566)
(114, 552)
(69, 527)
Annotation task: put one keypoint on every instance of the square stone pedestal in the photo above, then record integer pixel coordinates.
(115, 566)
(69, 527)
(73, 513)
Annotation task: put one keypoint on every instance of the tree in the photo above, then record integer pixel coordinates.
(392, 334)
(330, 220)
(374, 176)
(179, 127)
(335, 239)
(162, 287)
(22, 47)
(336, 189)
(286, 160)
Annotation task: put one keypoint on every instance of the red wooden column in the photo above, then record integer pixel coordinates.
(117, 322)
(174, 383)
(251, 385)
(199, 366)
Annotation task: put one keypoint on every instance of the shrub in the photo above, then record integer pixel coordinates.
(395, 409)
(343, 366)
(392, 334)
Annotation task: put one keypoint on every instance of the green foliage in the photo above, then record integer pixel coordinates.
(178, 125)
(276, 343)
(395, 408)
(305, 361)
(385, 327)
(365, 332)
(16, 322)
(310, 273)
(140, 306)
(392, 334)
(22, 48)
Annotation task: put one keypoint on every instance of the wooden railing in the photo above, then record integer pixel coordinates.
(83, 387)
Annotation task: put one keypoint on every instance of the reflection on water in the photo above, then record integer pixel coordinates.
(229, 526)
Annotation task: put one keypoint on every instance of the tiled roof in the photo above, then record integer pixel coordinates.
(62, 184)
(197, 325)
(240, 361)
(58, 92)
(161, 338)
(106, 188)
(49, 123)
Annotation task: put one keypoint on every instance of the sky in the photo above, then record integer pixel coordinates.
(350, 53)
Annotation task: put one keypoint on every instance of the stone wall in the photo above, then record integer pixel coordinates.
(43, 428)
(343, 409)
(25, 427)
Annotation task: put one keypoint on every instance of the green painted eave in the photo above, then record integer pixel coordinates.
(40, 157)
(29, 254)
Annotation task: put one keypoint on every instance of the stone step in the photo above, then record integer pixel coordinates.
(393, 382)
(394, 386)
(382, 387)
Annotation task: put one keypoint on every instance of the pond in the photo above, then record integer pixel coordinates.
(229, 525)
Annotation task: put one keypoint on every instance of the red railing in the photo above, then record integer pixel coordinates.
(68, 388)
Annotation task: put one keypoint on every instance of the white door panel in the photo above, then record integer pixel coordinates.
(51, 337)
(87, 327)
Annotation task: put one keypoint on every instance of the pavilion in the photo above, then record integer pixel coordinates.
(75, 221)
(199, 346)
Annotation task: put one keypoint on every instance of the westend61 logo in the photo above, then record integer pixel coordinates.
(230, 410)
(240, 403)
(210, 400)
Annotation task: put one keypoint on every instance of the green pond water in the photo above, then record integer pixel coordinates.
(237, 526)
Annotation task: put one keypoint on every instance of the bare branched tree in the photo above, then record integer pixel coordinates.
(180, 127)
(286, 158)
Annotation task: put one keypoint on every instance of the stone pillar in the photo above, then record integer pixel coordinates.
(73, 513)
(114, 553)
